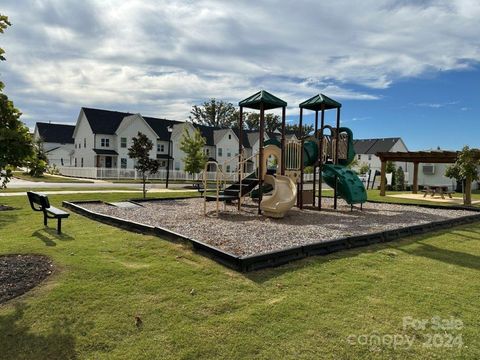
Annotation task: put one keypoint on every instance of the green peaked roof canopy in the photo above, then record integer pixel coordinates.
(315, 103)
(268, 100)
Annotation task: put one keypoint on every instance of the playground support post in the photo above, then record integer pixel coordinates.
(282, 156)
(315, 163)
(302, 170)
(337, 138)
(320, 159)
(240, 140)
(261, 162)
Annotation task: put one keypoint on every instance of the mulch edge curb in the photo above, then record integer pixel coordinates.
(284, 256)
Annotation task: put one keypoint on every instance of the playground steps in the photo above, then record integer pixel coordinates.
(232, 192)
(221, 197)
(248, 184)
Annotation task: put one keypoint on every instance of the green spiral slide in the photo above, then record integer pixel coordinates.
(349, 186)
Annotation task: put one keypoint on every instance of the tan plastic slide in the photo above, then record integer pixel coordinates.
(282, 199)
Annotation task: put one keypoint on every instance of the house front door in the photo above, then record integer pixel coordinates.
(108, 161)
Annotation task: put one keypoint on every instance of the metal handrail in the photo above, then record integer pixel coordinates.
(218, 182)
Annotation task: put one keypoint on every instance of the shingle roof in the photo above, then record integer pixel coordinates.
(372, 146)
(107, 122)
(207, 132)
(56, 133)
(160, 126)
(245, 138)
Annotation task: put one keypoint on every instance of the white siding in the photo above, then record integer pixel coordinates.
(129, 128)
(83, 131)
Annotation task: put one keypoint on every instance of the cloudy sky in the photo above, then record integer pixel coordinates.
(400, 68)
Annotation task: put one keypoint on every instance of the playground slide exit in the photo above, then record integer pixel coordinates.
(283, 197)
(349, 186)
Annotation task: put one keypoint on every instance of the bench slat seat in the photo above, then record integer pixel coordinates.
(39, 202)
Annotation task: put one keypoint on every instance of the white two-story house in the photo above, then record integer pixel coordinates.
(102, 138)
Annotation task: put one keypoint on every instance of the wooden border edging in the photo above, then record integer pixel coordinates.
(284, 256)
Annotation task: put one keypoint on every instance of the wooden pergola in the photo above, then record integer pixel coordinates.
(415, 157)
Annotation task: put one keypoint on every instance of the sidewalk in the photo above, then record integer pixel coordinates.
(61, 192)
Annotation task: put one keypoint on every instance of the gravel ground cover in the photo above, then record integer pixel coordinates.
(246, 233)
(20, 273)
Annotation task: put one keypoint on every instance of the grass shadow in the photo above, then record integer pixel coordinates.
(19, 342)
(452, 257)
(49, 235)
(8, 217)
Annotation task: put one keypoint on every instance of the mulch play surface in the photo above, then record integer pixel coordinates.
(20, 273)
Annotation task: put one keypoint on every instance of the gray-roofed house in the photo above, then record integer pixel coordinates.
(367, 148)
(57, 142)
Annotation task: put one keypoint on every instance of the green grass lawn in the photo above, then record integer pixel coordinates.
(48, 178)
(310, 309)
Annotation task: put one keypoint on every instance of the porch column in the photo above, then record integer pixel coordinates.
(415, 178)
(383, 179)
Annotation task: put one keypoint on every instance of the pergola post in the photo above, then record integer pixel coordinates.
(383, 179)
(315, 164)
(415, 178)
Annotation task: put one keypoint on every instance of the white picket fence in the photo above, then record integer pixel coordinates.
(128, 174)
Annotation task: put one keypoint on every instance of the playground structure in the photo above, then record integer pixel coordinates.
(329, 155)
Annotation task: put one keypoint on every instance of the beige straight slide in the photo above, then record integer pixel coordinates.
(282, 199)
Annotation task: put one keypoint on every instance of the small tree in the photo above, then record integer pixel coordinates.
(400, 179)
(390, 168)
(38, 162)
(465, 169)
(364, 167)
(140, 152)
(192, 146)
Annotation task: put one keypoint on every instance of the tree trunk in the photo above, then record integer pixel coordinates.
(468, 191)
(144, 179)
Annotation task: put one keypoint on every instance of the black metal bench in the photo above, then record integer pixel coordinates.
(39, 202)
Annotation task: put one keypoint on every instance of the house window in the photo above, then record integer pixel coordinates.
(207, 152)
(81, 161)
(163, 163)
(369, 157)
(104, 142)
(220, 152)
(123, 162)
(229, 136)
(75, 162)
(75, 146)
(79, 145)
(161, 148)
(84, 142)
(228, 168)
(123, 142)
(177, 165)
(229, 153)
(359, 157)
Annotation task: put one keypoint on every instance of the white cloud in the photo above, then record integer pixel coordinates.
(160, 57)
